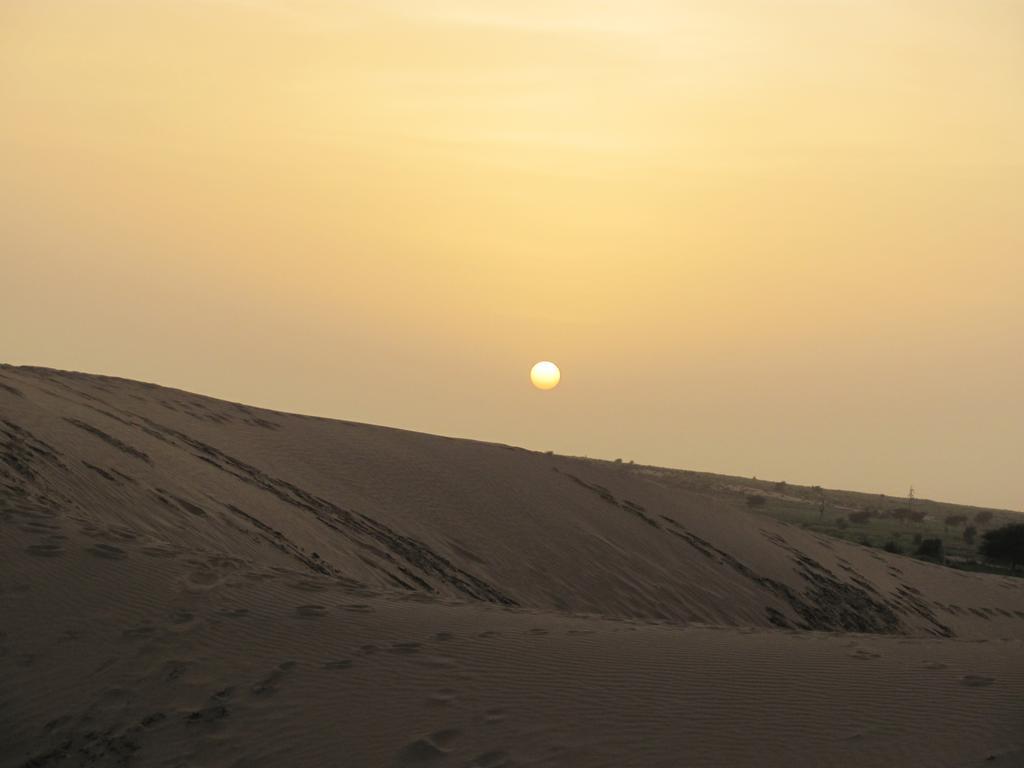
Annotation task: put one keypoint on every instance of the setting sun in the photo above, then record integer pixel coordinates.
(545, 375)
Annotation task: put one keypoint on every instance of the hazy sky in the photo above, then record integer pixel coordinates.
(773, 238)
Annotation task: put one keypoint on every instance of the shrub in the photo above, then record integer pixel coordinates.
(892, 546)
(970, 534)
(932, 549)
(1005, 544)
(984, 517)
(859, 518)
(842, 523)
(754, 500)
(900, 513)
(954, 520)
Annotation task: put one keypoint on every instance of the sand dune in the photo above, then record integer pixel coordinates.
(186, 581)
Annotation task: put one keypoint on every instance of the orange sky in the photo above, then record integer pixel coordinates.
(773, 238)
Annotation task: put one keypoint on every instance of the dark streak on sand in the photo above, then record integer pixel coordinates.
(405, 553)
(109, 439)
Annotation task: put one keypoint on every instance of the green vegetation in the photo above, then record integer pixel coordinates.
(905, 525)
(1005, 544)
(884, 522)
(931, 549)
(945, 533)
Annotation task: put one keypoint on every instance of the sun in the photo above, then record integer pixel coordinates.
(545, 375)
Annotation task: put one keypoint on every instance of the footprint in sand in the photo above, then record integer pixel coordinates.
(976, 681)
(339, 664)
(356, 607)
(161, 552)
(308, 586)
(406, 647)
(191, 508)
(203, 578)
(268, 685)
(124, 534)
(233, 613)
(150, 720)
(210, 714)
(311, 611)
(492, 716)
(57, 723)
(114, 694)
(107, 551)
(174, 669)
(143, 631)
(441, 698)
(225, 562)
(495, 759)
(427, 749)
(935, 665)
(45, 550)
(40, 529)
(438, 662)
(861, 653)
(444, 636)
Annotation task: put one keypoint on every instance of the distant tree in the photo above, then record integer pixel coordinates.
(917, 539)
(900, 513)
(1005, 544)
(781, 485)
(983, 518)
(954, 520)
(893, 546)
(970, 534)
(861, 517)
(755, 500)
(932, 549)
(917, 515)
(618, 461)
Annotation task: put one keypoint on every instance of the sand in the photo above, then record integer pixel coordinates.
(190, 582)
